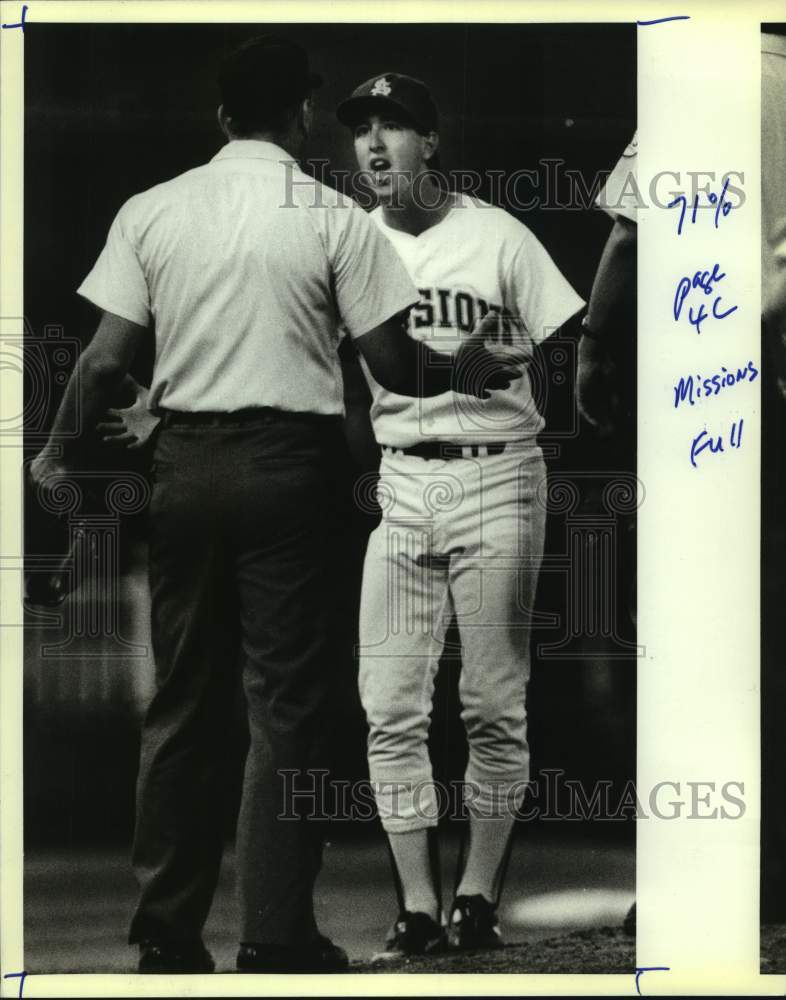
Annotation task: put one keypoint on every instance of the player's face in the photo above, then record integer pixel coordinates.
(391, 152)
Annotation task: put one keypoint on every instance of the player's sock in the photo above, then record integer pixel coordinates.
(411, 855)
(488, 842)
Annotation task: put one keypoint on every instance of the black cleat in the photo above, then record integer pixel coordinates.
(473, 924)
(318, 955)
(174, 957)
(414, 934)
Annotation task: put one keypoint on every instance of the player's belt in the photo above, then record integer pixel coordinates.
(231, 418)
(442, 449)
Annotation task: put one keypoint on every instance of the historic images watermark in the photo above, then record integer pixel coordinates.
(548, 186)
(313, 795)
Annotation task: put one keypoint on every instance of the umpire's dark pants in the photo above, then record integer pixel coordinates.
(240, 531)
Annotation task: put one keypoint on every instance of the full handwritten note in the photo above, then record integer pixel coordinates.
(702, 300)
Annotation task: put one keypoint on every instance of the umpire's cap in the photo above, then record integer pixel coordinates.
(405, 96)
(265, 75)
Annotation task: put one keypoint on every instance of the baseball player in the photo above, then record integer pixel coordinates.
(462, 529)
(247, 291)
(608, 329)
(612, 302)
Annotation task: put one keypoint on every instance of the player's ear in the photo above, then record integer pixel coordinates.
(224, 121)
(306, 114)
(430, 145)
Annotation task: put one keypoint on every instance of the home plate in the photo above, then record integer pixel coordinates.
(570, 908)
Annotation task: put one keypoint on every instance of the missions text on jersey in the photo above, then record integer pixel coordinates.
(452, 309)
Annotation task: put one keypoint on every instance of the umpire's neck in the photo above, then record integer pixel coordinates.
(289, 133)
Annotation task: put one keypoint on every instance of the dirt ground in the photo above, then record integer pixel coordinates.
(597, 950)
(773, 949)
(558, 898)
(601, 950)
(77, 906)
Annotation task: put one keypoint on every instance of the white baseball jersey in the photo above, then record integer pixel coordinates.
(621, 195)
(476, 259)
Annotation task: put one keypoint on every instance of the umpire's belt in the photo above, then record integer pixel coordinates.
(250, 415)
(442, 449)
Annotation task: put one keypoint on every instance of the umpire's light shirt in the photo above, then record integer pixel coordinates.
(246, 266)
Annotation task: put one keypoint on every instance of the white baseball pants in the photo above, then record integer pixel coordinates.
(463, 536)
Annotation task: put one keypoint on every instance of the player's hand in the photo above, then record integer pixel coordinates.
(130, 427)
(478, 371)
(596, 391)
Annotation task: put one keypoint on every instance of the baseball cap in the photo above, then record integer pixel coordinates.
(396, 92)
(267, 73)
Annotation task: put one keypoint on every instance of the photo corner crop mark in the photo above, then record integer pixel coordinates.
(21, 976)
(22, 20)
(662, 20)
(648, 968)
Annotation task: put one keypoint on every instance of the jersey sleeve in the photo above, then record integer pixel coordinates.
(371, 282)
(117, 282)
(620, 194)
(543, 298)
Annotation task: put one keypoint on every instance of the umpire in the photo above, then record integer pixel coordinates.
(246, 267)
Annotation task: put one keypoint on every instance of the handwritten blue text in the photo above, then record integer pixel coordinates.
(720, 203)
(692, 390)
(706, 281)
(714, 443)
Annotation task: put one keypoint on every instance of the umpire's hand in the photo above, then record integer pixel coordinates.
(47, 469)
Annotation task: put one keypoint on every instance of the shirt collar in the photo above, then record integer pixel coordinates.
(253, 149)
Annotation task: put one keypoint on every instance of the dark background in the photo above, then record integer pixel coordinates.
(773, 676)
(773, 596)
(112, 110)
